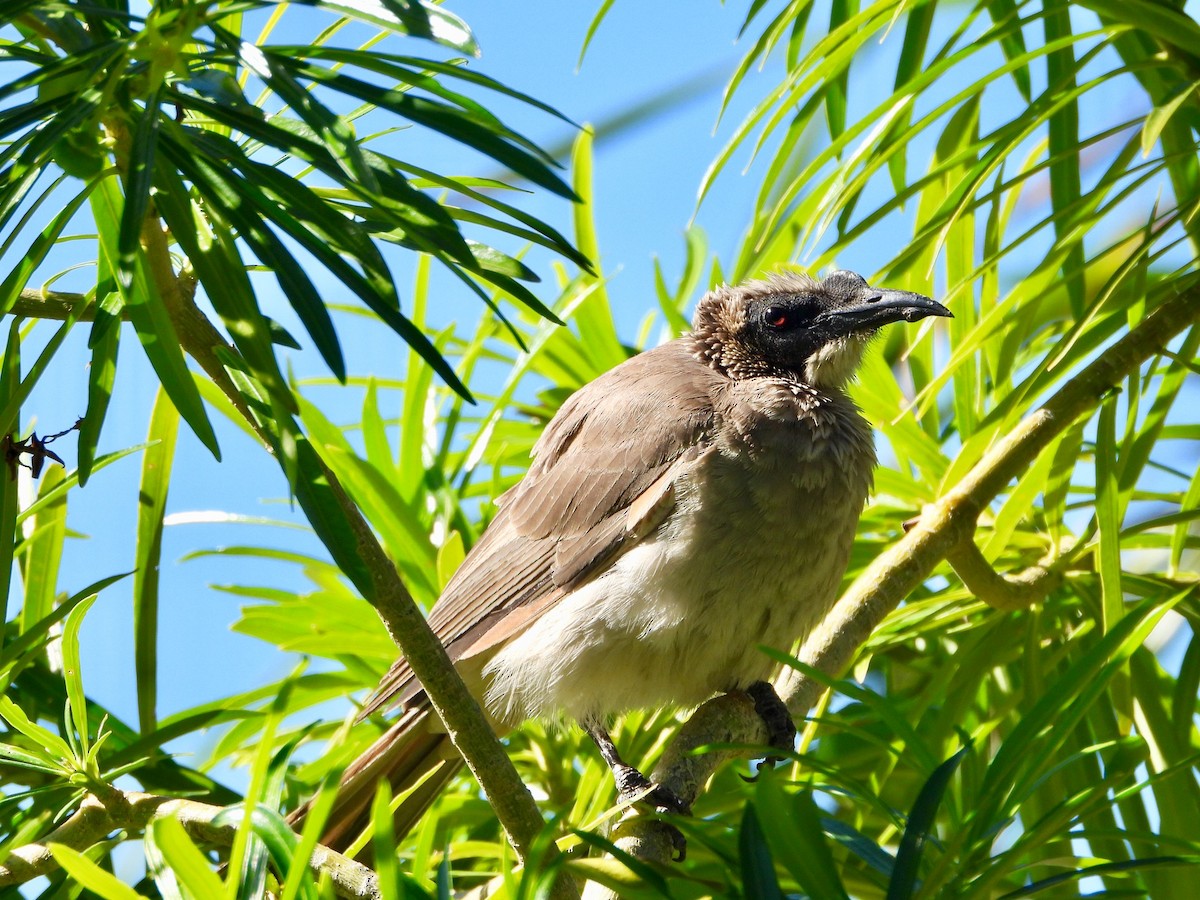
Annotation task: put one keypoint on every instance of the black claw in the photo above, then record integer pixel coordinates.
(781, 730)
(636, 787)
(678, 842)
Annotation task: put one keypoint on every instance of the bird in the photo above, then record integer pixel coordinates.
(694, 503)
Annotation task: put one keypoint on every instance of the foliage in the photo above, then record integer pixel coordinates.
(972, 751)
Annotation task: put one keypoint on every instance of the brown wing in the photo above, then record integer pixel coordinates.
(602, 478)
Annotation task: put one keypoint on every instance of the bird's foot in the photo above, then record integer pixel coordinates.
(781, 730)
(635, 787)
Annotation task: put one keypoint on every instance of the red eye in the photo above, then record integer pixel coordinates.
(778, 317)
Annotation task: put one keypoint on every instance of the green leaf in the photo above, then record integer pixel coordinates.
(102, 375)
(912, 55)
(836, 87)
(272, 840)
(1108, 517)
(152, 501)
(150, 319)
(1172, 26)
(413, 17)
(383, 842)
(42, 551)
(57, 749)
(594, 316)
(1065, 178)
(627, 874)
(158, 869)
(758, 870)
(73, 675)
(23, 759)
(10, 381)
(89, 875)
(1012, 41)
(138, 179)
(919, 827)
(299, 884)
(192, 871)
(793, 830)
(593, 27)
(1161, 115)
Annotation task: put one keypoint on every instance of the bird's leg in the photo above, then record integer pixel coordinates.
(781, 730)
(632, 784)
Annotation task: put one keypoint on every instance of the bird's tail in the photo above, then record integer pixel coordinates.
(412, 752)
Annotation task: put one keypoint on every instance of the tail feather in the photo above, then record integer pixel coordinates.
(403, 755)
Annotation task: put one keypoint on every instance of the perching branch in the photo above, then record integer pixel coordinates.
(944, 526)
(460, 712)
(133, 811)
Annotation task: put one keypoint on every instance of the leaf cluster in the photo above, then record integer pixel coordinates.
(969, 752)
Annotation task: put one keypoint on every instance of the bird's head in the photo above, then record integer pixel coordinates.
(794, 326)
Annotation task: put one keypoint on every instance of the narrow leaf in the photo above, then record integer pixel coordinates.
(151, 321)
(758, 870)
(138, 179)
(89, 875)
(152, 502)
(73, 674)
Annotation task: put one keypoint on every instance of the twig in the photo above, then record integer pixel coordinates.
(1001, 591)
(56, 305)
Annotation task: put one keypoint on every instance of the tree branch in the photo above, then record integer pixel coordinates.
(133, 811)
(896, 572)
(56, 305)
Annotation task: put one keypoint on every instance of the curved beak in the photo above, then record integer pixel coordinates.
(876, 307)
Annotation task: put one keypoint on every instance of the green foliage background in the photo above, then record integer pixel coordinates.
(976, 752)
